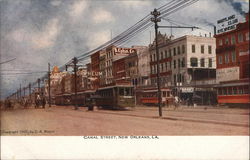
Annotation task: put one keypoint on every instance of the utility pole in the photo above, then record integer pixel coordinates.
(30, 91)
(74, 61)
(24, 91)
(20, 91)
(156, 19)
(38, 80)
(49, 84)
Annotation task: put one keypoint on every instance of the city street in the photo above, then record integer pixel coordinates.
(65, 121)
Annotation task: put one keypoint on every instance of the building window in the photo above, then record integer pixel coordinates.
(166, 66)
(151, 58)
(179, 63)
(174, 64)
(183, 49)
(220, 42)
(240, 37)
(193, 48)
(226, 41)
(170, 65)
(232, 40)
(178, 50)
(246, 90)
(162, 67)
(219, 91)
(202, 62)
(174, 51)
(154, 58)
(194, 62)
(226, 58)
(174, 78)
(170, 52)
(166, 54)
(247, 36)
(183, 62)
(224, 91)
(209, 49)
(220, 59)
(210, 62)
(202, 49)
(233, 56)
(235, 90)
(240, 90)
(161, 55)
(229, 91)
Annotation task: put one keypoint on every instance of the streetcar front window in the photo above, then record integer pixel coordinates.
(127, 92)
(121, 91)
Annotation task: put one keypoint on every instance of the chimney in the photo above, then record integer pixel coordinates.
(214, 30)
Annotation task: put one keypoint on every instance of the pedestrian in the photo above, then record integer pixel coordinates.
(37, 101)
(43, 101)
(176, 102)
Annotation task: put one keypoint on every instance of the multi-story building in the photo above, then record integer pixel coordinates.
(56, 78)
(143, 66)
(106, 63)
(95, 64)
(119, 71)
(102, 75)
(187, 65)
(82, 79)
(131, 68)
(233, 65)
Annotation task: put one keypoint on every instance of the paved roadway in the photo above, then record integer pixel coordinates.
(64, 121)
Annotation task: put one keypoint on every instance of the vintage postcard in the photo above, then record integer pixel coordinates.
(136, 75)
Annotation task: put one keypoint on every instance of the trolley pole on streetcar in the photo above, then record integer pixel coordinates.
(156, 19)
(49, 84)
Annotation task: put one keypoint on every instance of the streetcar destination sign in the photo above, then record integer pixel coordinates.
(227, 24)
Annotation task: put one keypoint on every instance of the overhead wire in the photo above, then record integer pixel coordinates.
(139, 27)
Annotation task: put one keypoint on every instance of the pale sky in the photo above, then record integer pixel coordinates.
(36, 32)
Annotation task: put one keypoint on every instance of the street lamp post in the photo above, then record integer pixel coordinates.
(156, 19)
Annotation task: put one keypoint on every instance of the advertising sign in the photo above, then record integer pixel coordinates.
(227, 74)
(227, 24)
(243, 53)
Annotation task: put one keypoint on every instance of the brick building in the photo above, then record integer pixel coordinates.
(106, 58)
(119, 71)
(233, 64)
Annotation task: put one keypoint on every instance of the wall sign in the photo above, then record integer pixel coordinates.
(227, 24)
(227, 74)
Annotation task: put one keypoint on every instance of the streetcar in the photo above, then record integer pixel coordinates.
(69, 99)
(149, 97)
(118, 97)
